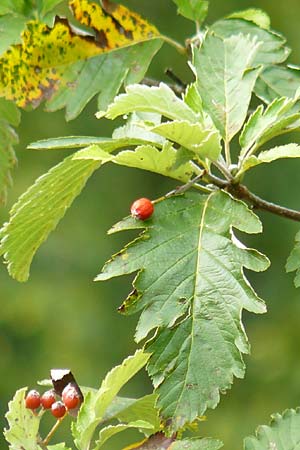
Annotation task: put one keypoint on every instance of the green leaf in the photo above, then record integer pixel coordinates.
(95, 404)
(197, 348)
(160, 100)
(293, 262)
(279, 117)
(103, 75)
(283, 433)
(144, 157)
(9, 115)
(107, 144)
(282, 151)
(137, 127)
(272, 49)
(23, 424)
(197, 444)
(205, 142)
(38, 211)
(47, 6)
(277, 81)
(61, 446)
(192, 99)
(109, 431)
(257, 16)
(225, 79)
(11, 27)
(144, 407)
(193, 9)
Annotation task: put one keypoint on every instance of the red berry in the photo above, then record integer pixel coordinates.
(70, 396)
(142, 209)
(47, 399)
(33, 399)
(58, 409)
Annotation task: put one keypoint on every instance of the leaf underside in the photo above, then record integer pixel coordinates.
(199, 340)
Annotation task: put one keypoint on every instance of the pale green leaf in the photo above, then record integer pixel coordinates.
(277, 81)
(293, 262)
(61, 446)
(96, 403)
(11, 27)
(197, 444)
(9, 112)
(103, 75)
(192, 99)
(205, 142)
(160, 100)
(225, 79)
(107, 144)
(144, 157)
(257, 16)
(197, 348)
(283, 433)
(272, 49)
(23, 424)
(193, 9)
(111, 430)
(279, 117)
(144, 407)
(137, 127)
(38, 211)
(282, 151)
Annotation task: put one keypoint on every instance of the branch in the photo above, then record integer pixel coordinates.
(242, 192)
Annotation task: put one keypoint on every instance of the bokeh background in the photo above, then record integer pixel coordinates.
(61, 318)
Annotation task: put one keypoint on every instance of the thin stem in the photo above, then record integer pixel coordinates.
(180, 48)
(223, 169)
(45, 441)
(185, 187)
(178, 89)
(227, 153)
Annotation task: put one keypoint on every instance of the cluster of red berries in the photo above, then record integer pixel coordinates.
(48, 400)
(142, 209)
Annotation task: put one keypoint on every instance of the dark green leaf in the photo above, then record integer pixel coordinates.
(198, 347)
(293, 262)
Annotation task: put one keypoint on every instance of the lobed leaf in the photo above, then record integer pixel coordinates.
(197, 347)
(160, 100)
(282, 151)
(272, 49)
(281, 116)
(225, 79)
(75, 67)
(23, 424)
(204, 142)
(277, 81)
(146, 157)
(282, 434)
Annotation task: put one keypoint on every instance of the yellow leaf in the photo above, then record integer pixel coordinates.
(33, 70)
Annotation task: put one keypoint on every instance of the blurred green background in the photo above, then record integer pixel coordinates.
(61, 318)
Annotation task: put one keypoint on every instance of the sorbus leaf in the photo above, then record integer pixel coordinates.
(191, 289)
(193, 9)
(277, 81)
(23, 424)
(58, 64)
(283, 433)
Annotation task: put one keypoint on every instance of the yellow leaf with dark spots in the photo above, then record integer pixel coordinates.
(33, 70)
